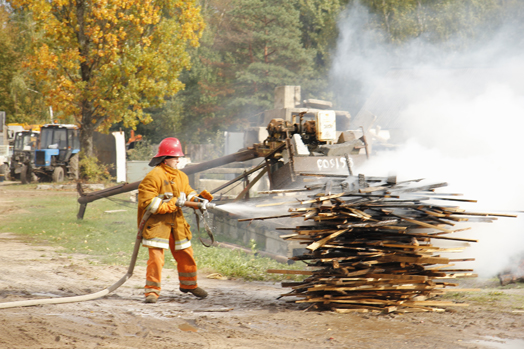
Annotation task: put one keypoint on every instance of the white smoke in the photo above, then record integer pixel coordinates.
(462, 120)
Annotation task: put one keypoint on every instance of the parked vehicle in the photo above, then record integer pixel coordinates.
(57, 155)
(5, 156)
(22, 161)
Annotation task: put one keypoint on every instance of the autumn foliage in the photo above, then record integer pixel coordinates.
(105, 61)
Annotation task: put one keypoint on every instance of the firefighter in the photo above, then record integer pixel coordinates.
(167, 228)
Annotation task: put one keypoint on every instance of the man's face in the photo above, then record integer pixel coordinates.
(172, 162)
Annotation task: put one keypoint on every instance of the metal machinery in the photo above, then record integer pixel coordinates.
(22, 161)
(57, 155)
(309, 147)
(8, 138)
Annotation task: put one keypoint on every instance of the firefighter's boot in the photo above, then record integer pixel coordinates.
(151, 298)
(197, 292)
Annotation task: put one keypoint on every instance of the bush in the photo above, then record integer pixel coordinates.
(143, 150)
(91, 170)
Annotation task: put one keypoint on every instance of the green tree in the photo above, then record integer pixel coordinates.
(107, 61)
(19, 96)
(8, 61)
(20, 91)
(318, 19)
(250, 47)
(268, 51)
(438, 21)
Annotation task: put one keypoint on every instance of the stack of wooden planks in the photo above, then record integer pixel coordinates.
(369, 248)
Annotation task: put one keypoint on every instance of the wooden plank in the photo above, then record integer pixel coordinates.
(368, 225)
(440, 237)
(416, 260)
(302, 209)
(423, 224)
(372, 189)
(458, 276)
(349, 310)
(487, 214)
(371, 288)
(394, 276)
(420, 188)
(321, 198)
(323, 241)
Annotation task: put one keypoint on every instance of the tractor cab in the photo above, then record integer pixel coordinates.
(57, 155)
(25, 143)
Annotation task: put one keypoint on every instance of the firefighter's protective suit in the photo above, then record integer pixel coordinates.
(167, 228)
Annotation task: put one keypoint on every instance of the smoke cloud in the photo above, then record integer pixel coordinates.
(457, 116)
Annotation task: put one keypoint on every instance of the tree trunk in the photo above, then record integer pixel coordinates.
(87, 125)
(86, 139)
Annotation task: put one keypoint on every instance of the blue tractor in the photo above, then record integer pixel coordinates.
(57, 156)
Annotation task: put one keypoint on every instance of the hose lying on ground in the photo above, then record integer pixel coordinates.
(151, 209)
(86, 297)
(95, 295)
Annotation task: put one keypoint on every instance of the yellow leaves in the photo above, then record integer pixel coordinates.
(134, 51)
(122, 35)
(146, 41)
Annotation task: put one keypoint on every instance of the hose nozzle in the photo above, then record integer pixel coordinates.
(200, 205)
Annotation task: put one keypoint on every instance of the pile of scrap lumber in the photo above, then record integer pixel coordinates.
(369, 247)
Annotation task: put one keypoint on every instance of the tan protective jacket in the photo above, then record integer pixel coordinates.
(161, 180)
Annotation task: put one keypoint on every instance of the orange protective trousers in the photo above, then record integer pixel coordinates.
(186, 266)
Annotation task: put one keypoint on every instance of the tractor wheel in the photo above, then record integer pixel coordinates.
(73, 166)
(58, 175)
(25, 175)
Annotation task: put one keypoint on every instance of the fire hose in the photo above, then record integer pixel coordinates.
(151, 209)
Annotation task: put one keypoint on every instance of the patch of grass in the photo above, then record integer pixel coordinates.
(485, 298)
(490, 299)
(108, 238)
(239, 264)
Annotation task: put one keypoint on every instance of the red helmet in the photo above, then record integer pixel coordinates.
(169, 147)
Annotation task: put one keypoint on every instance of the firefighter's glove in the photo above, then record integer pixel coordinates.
(181, 199)
(206, 195)
(167, 207)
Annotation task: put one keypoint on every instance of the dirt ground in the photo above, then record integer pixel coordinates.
(236, 314)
